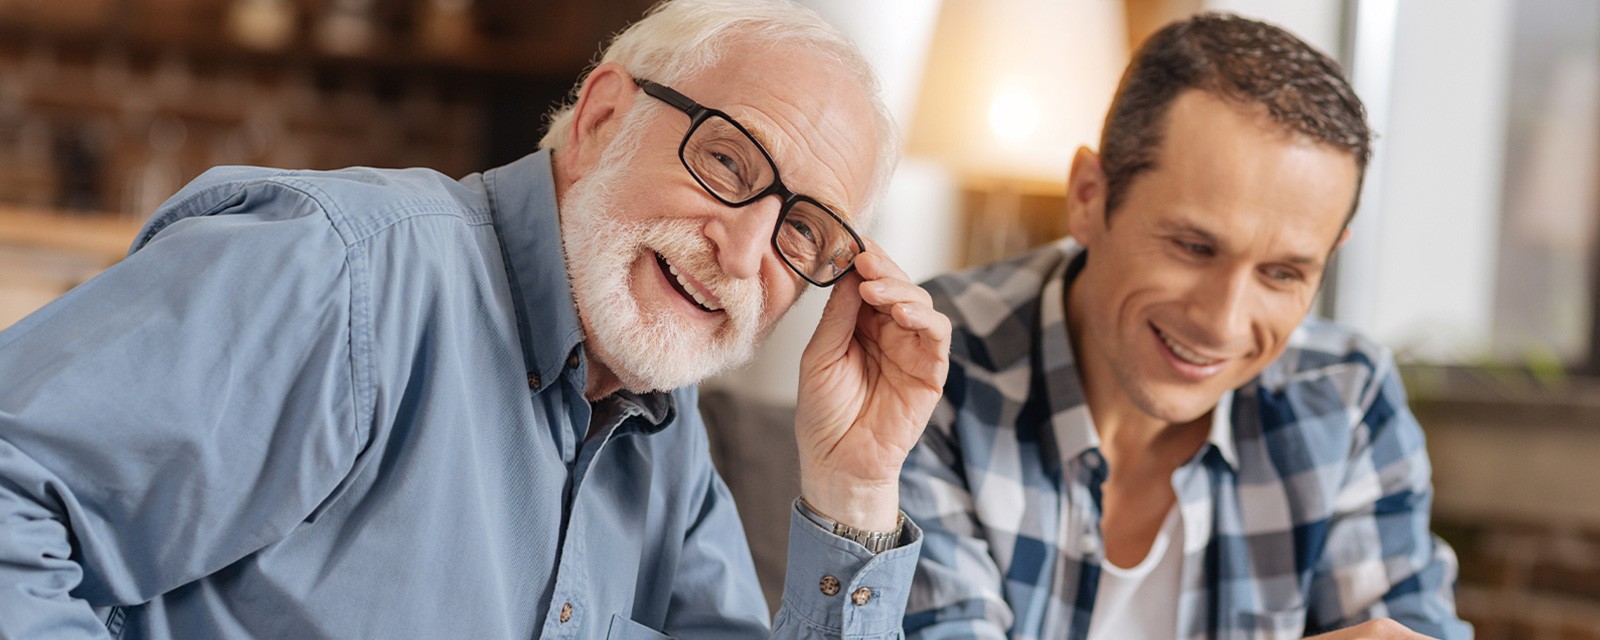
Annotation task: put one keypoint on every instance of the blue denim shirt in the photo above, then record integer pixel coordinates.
(350, 404)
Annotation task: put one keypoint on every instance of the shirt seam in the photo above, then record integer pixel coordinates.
(363, 400)
(357, 257)
(388, 216)
(362, 374)
(359, 307)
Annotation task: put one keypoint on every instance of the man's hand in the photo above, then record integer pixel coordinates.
(1379, 629)
(869, 380)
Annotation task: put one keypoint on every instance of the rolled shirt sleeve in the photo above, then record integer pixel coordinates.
(835, 588)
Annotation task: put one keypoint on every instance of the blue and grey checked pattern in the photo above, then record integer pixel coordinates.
(1306, 511)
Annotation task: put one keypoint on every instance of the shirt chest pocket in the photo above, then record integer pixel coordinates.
(625, 629)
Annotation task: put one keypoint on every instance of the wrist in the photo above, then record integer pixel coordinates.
(865, 506)
(875, 542)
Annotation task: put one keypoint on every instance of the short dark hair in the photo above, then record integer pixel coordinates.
(1238, 60)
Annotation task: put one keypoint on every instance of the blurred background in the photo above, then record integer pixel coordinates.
(1474, 254)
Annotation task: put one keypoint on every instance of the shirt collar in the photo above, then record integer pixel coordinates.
(1071, 424)
(1222, 429)
(655, 411)
(522, 197)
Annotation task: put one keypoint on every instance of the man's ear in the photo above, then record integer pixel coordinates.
(1344, 236)
(604, 99)
(1086, 196)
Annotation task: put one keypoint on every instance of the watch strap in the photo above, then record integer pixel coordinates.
(876, 542)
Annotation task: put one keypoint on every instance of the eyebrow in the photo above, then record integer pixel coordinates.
(1195, 230)
(828, 198)
(766, 141)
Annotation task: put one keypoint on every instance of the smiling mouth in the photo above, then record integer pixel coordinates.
(686, 288)
(1184, 353)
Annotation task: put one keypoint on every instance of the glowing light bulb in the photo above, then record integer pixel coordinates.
(1013, 115)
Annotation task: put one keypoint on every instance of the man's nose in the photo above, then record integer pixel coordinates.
(1223, 311)
(741, 236)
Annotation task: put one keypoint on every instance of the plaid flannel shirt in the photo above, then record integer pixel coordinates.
(1306, 511)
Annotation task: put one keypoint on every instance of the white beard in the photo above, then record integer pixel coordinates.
(648, 349)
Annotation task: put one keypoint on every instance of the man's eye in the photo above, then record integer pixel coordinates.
(1195, 249)
(728, 163)
(1284, 275)
(803, 229)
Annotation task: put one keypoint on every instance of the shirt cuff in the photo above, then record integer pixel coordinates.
(839, 589)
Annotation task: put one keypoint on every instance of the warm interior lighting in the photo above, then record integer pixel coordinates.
(1013, 116)
(1011, 88)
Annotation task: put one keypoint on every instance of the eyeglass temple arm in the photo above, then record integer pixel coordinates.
(665, 93)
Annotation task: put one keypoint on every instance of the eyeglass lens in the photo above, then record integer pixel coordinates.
(733, 168)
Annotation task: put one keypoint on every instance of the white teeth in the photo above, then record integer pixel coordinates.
(1185, 354)
(699, 296)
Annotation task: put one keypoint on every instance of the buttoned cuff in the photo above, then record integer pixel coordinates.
(838, 589)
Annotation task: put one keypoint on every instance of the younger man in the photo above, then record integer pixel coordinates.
(1141, 435)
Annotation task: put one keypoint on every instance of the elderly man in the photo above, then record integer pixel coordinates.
(370, 403)
(1143, 436)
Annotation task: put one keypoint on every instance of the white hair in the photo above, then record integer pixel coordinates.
(679, 39)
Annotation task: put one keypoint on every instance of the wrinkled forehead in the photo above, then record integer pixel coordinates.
(808, 111)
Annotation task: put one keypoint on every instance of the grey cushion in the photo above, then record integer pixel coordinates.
(753, 446)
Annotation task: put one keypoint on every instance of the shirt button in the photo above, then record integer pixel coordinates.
(566, 611)
(572, 359)
(830, 586)
(533, 381)
(861, 597)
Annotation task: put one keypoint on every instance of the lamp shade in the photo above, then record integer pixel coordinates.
(1012, 87)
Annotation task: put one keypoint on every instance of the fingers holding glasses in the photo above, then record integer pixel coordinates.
(887, 288)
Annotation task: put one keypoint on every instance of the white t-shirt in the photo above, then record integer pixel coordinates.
(1142, 601)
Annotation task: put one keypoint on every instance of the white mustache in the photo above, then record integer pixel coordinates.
(689, 252)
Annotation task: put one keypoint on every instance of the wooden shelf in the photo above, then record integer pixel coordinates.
(102, 237)
(513, 38)
(43, 253)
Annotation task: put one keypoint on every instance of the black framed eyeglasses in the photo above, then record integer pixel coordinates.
(734, 168)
